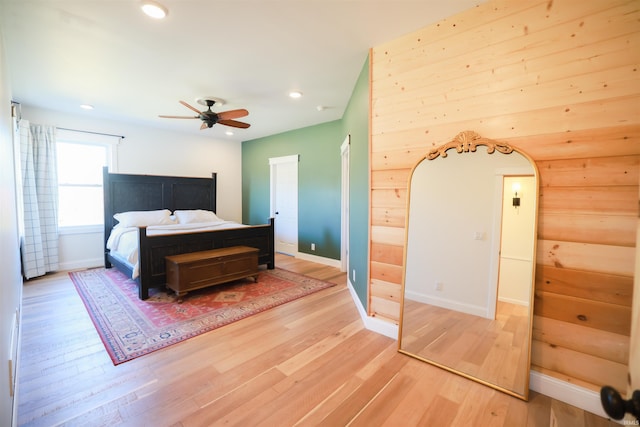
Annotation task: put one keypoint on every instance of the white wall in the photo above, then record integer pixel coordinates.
(11, 281)
(146, 150)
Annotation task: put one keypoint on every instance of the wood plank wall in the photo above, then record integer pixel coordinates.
(560, 80)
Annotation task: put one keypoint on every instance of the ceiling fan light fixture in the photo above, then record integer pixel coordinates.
(210, 118)
(217, 101)
(153, 9)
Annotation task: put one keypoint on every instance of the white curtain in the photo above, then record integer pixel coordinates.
(39, 240)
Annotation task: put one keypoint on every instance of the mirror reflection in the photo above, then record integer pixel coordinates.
(470, 260)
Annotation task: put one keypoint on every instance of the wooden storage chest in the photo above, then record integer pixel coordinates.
(187, 272)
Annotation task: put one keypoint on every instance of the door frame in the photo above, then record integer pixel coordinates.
(345, 152)
(273, 163)
(496, 233)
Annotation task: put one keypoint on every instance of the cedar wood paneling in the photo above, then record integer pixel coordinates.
(559, 80)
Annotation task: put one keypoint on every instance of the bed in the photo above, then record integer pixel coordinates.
(134, 194)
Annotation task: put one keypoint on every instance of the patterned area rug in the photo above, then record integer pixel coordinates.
(130, 327)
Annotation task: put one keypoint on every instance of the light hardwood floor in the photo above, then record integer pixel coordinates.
(494, 350)
(308, 362)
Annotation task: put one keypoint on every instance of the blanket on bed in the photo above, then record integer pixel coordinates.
(123, 241)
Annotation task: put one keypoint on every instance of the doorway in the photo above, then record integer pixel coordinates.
(284, 202)
(344, 232)
(514, 238)
(517, 237)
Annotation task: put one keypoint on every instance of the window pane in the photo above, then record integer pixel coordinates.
(80, 206)
(80, 183)
(80, 163)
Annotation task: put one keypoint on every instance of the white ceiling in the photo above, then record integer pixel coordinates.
(250, 53)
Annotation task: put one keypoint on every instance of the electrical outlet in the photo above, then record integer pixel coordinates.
(353, 275)
(439, 286)
(313, 246)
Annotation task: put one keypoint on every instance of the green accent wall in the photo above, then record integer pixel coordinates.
(319, 182)
(355, 122)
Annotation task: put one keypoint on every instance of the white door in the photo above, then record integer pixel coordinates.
(284, 203)
(344, 248)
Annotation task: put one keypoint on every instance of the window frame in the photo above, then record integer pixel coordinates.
(95, 139)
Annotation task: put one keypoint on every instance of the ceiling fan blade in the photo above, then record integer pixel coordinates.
(190, 107)
(203, 126)
(234, 123)
(232, 114)
(180, 117)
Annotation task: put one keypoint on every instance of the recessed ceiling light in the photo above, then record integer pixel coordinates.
(86, 106)
(295, 94)
(154, 9)
(229, 133)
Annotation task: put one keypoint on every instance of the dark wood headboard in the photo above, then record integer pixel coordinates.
(126, 192)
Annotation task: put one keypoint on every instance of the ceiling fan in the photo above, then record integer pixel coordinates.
(210, 118)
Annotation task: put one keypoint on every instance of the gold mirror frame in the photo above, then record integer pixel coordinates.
(423, 330)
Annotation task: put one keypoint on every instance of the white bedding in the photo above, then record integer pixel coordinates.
(123, 241)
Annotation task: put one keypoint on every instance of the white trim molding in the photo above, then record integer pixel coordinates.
(382, 327)
(81, 264)
(566, 392)
(319, 260)
(345, 153)
(284, 159)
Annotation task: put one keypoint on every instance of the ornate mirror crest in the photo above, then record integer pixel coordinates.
(468, 141)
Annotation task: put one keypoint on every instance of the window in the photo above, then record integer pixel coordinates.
(80, 163)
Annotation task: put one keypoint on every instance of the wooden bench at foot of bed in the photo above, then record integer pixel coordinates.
(195, 270)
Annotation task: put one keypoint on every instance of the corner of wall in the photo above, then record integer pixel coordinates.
(373, 324)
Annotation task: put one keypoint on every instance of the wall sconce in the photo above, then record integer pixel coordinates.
(516, 199)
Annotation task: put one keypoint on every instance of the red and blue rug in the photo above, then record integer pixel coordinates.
(130, 327)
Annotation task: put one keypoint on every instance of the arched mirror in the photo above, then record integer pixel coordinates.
(470, 261)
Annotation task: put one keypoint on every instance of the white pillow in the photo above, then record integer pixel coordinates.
(196, 215)
(144, 218)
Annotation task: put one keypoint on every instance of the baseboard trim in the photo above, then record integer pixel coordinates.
(572, 394)
(376, 325)
(80, 264)
(16, 391)
(320, 260)
(450, 304)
